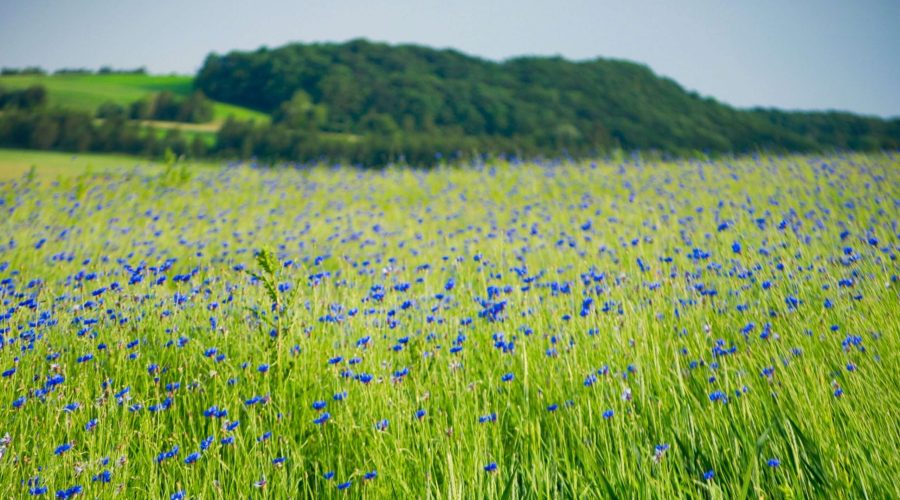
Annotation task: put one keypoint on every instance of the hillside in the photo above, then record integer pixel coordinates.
(87, 92)
(373, 104)
(530, 104)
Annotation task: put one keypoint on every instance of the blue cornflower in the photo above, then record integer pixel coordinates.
(718, 396)
(69, 492)
(344, 486)
(708, 475)
(62, 448)
(487, 418)
(328, 475)
(215, 412)
(792, 302)
(193, 457)
(659, 451)
(103, 477)
(491, 467)
(773, 462)
(167, 454)
(507, 377)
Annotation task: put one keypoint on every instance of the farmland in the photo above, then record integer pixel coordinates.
(618, 327)
(89, 91)
(52, 166)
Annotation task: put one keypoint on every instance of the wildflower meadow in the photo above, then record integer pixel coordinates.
(628, 327)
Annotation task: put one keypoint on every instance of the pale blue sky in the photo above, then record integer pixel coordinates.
(793, 54)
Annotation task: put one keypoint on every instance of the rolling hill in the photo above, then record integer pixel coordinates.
(87, 92)
(373, 104)
(546, 105)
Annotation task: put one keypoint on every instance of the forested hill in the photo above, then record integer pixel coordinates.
(533, 104)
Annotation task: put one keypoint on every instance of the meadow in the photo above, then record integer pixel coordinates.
(619, 328)
(54, 166)
(87, 92)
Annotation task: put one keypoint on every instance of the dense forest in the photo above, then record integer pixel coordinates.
(371, 103)
(530, 104)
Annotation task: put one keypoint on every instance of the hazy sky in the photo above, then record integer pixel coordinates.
(794, 54)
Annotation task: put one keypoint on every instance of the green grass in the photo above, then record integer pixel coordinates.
(17, 163)
(810, 228)
(88, 92)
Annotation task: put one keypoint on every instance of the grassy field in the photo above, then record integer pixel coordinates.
(49, 165)
(88, 92)
(612, 329)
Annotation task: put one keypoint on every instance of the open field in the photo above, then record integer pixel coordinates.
(49, 165)
(621, 328)
(88, 92)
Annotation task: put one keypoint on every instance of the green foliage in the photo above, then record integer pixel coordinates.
(268, 265)
(527, 105)
(166, 106)
(374, 104)
(74, 131)
(176, 173)
(29, 98)
(87, 92)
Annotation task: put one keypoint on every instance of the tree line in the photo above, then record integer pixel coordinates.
(545, 104)
(27, 122)
(103, 70)
(372, 104)
(164, 106)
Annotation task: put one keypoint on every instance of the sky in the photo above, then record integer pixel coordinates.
(790, 54)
